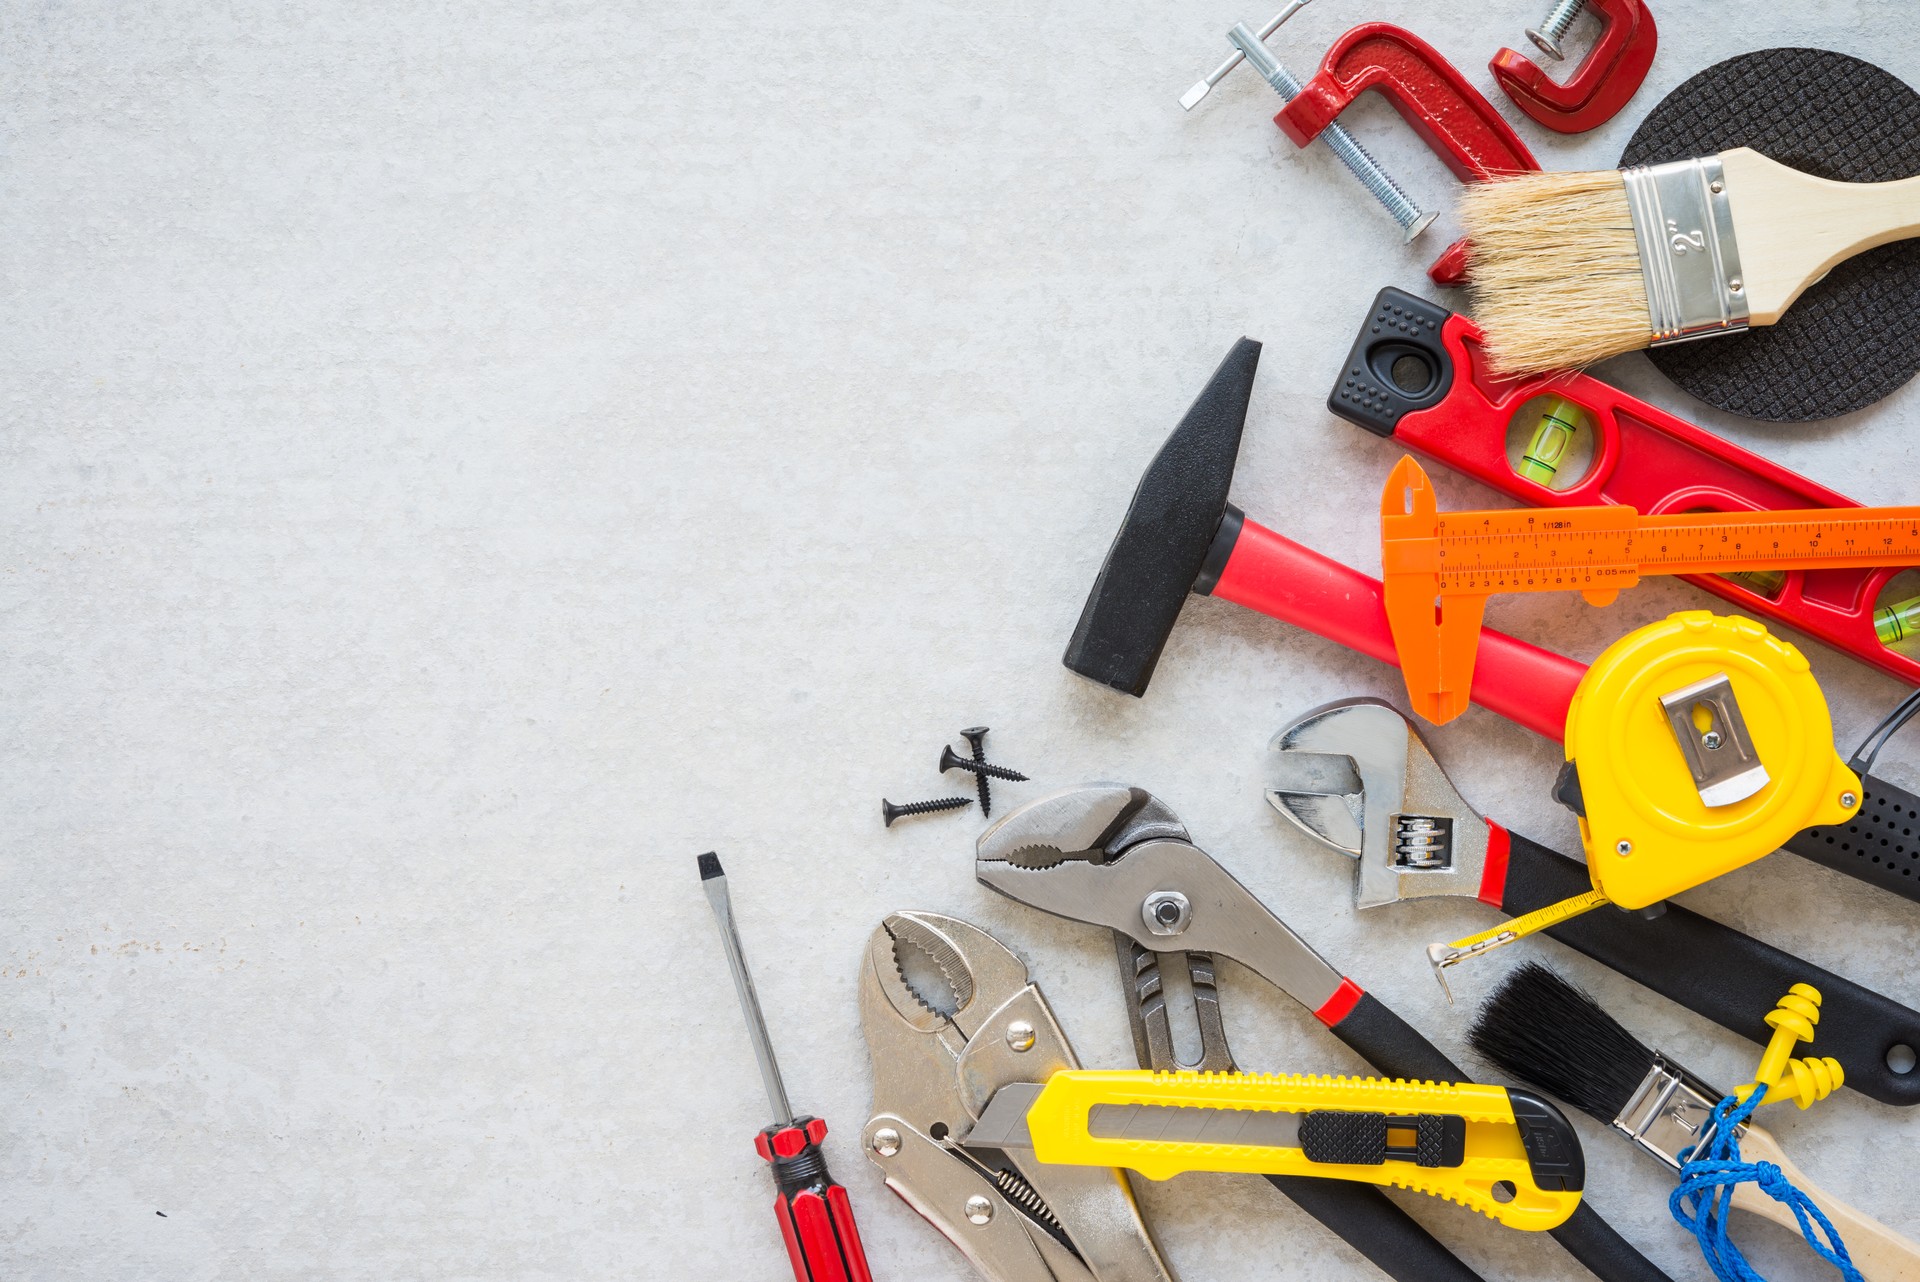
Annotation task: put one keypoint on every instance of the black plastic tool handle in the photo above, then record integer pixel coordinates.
(1877, 845)
(1363, 1218)
(1731, 978)
(1397, 1049)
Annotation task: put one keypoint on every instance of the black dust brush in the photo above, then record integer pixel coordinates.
(1544, 1031)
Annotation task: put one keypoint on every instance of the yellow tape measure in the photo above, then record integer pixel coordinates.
(1695, 745)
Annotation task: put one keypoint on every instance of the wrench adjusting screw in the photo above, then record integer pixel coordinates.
(891, 812)
(1166, 912)
(976, 737)
(886, 1141)
(1020, 1035)
(1546, 37)
(950, 760)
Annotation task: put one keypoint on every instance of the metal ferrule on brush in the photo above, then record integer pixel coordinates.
(1670, 1112)
(1688, 255)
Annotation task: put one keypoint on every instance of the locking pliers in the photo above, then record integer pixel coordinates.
(1118, 857)
(938, 1058)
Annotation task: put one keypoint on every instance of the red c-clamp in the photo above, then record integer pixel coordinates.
(1606, 78)
(1449, 114)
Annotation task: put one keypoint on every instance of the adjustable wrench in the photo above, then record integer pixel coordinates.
(1357, 776)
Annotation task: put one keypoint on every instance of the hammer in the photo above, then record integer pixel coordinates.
(1181, 535)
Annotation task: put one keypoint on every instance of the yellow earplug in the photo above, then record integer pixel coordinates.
(1783, 1077)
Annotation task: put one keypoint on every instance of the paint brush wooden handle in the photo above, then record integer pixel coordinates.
(1878, 1252)
(1793, 228)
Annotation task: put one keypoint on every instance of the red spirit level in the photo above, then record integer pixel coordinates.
(1417, 375)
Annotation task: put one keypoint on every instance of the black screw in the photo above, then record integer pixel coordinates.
(891, 812)
(948, 761)
(976, 737)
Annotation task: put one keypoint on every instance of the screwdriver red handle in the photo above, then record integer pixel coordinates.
(815, 1217)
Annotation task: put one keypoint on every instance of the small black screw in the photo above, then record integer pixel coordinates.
(948, 761)
(976, 737)
(891, 812)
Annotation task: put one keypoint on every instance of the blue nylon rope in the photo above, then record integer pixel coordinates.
(1705, 1196)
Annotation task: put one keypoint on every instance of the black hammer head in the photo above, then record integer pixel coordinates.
(1161, 550)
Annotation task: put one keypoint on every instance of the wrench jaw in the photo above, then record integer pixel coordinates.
(1092, 823)
(1162, 891)
(1356, 776)
(935, 1072)
(1024, 856)
(915, 1045)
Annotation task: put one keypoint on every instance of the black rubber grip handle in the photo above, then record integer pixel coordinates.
(1397, 1049)
(1592, 1241)
(1394, 1046)
(1375, 1227)
(1731, 978)
(1878, 845)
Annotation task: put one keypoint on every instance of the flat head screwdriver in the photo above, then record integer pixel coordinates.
(815, 1217)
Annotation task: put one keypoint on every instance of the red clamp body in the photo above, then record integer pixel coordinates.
(1642, 457)
(1452, 117)
(1606, 78)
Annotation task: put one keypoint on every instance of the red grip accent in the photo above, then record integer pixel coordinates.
(1493, 877)
(784, 1215)
(819, 1245)
(1341, 1004)
(1279, 578)
(1655, 463)
(1450, 269)
(850, 1245)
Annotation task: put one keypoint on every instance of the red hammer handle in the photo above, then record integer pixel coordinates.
(1279, 578)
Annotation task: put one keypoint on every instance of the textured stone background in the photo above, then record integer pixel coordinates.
(462, 461)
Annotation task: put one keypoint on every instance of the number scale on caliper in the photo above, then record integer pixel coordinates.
(1566, 551)
(1456, 560)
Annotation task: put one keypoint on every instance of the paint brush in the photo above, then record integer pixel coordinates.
(1546, 1032)
(1571, 268)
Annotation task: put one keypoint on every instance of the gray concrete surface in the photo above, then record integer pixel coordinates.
(462, 461)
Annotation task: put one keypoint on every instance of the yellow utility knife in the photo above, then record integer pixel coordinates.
(1505, 1153)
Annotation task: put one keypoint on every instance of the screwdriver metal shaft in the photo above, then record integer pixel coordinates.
(815, 1217)
(714, 881)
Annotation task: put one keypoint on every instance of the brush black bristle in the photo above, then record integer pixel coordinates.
(1546, 1032)
(710, 866)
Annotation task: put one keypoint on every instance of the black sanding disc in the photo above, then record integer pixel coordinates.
(1855, 336)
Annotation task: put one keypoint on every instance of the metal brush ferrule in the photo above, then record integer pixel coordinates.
(1688, 255)
(1670, 1111)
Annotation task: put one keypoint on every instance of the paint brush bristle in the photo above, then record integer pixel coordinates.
(1555, 270)
(1545, 1031)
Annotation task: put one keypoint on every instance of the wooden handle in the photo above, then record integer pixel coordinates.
(1878, 1252)
(1792, 227)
